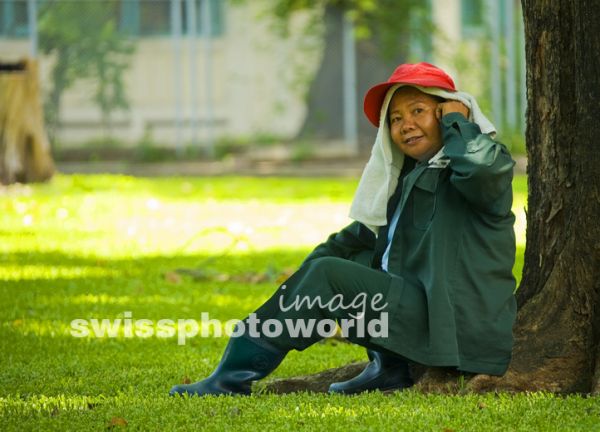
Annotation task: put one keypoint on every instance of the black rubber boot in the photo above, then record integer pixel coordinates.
(243, 361)
(383, 372)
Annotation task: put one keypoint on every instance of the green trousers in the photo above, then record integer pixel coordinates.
(326, 290)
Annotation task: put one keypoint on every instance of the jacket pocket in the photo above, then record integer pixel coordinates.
(424, 199)
(408, 323)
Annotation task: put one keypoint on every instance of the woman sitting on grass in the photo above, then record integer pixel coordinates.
(424, 273)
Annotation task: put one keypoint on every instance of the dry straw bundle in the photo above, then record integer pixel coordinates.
(24, 147)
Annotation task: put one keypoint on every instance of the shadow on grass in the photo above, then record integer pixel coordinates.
(53, 284)
(202, 188)
(40, 356)
(50, 281)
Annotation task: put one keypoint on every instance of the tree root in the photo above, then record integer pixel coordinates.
(596, 377)
(428, 380)
(440, 380)
(316, 383)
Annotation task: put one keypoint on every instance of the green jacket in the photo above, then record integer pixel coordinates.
(451, 257)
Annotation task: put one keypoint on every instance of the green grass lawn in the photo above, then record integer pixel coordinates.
(100, 247)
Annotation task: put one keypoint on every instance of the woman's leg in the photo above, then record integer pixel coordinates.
(385, 371)
(320, 294)
(328, 278)
(327, 289)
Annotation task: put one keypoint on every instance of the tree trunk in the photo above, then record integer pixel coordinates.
(60, 82)
(558, 325)
(325, 115)
(24, 148)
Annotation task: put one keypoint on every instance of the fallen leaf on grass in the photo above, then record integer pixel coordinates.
(222, 277)
(250, 277)
(172, 277)
(198, 274)
(285, 275)
(116, 422)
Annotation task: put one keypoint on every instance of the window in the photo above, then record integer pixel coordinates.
(472, 17)
(153, 17)
(421, 30)
(13, 18)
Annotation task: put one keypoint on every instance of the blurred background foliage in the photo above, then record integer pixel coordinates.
(86, 44)
(156, 80)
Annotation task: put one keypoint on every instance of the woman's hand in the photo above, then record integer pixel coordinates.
(449, 107)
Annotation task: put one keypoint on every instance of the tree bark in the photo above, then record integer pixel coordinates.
(558, 325)
(557, 331)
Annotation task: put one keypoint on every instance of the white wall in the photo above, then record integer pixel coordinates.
(252, 73)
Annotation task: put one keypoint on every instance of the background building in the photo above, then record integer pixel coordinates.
(199, 72)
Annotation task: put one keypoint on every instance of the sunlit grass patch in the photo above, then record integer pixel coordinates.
(40, 271)
(85, 247)
(401, 411)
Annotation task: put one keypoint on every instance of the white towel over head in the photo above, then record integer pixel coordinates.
(380, 176)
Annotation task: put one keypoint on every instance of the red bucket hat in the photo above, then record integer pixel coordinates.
(421, 74)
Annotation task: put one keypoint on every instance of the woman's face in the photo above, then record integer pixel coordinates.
(414, 126)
